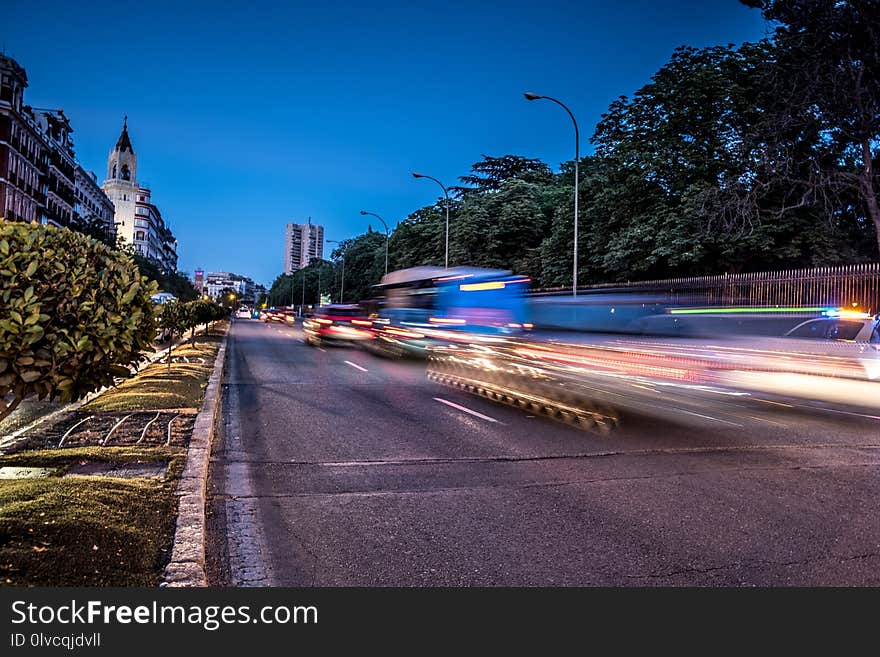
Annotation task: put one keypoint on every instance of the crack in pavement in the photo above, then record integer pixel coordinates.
(534, 484)
(673, 451)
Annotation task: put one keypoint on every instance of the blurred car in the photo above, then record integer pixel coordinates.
(840, 325)
(337, 323)
(244, 313)
(273, 315)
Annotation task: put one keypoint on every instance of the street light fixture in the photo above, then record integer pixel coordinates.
(446, 192)
(341, 287)
(533, 96)
(387, 234)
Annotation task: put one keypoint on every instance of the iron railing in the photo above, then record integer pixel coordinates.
(843, 286)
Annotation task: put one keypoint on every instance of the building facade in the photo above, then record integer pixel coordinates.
(61, 169)
(216, 282)
(40, 179)
(138, 221)
(93, 210)
(302, 244)
(24, 154)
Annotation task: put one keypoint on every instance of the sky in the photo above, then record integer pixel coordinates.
(248, 115)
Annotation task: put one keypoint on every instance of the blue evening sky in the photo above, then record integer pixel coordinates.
(248, 115)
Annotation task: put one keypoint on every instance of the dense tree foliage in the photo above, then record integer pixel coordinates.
(824, 74)
(176, 283)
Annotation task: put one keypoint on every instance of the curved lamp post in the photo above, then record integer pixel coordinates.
(341, 287)
(387, 234)
(446, 192)
(532, 96)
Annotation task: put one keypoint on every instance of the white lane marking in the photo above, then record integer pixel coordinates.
(821, 409)
(834, 410)
(709, 417)
(357, 367)
(322, 349)
(466, 410)
(763, 419)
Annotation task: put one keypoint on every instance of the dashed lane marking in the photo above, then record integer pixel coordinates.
(357, 367)
(464, 409)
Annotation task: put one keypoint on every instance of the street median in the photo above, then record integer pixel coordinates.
(91, 497)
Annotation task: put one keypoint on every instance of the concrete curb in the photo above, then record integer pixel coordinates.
(187, 565)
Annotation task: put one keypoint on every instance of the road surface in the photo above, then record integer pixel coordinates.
(335, 467)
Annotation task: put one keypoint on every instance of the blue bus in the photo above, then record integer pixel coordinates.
(417, 307)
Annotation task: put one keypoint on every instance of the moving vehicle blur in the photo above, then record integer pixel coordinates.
(840, 325)
(244, 313)
(595, 383)
(280, 315)
(337, 323)
(419, 307)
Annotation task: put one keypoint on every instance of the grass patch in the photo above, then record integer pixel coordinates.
(158, 387)
(61, 458)
(87, 531)
(102, 531)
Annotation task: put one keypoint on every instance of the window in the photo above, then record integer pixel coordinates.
(844, 330)
(139, 235)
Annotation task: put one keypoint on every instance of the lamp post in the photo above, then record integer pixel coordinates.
(387, 234)
(446, 192)
(342, 286)
(532, 96)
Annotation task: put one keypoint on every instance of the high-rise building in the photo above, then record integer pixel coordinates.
(138, 221)
(302, 244)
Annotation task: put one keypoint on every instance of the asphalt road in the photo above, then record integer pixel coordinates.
(336, 467)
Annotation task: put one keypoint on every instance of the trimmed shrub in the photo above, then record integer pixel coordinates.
(74, 314)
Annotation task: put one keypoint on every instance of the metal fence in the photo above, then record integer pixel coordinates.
(849, 286)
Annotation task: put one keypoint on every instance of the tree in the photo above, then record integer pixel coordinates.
(173, 319)
(74, 314)
(94, 227)
(202, 312)
(490, 173)
(174, 282)
(364, 265)
(683, 181)
(825, 75)
(228, 298)
(420, 238)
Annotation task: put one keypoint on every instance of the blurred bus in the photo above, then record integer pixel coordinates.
(417, 307)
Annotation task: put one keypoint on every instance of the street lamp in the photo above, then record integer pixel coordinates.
(341, 287)
(387, 234)
(532, 96)
(446, 192)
